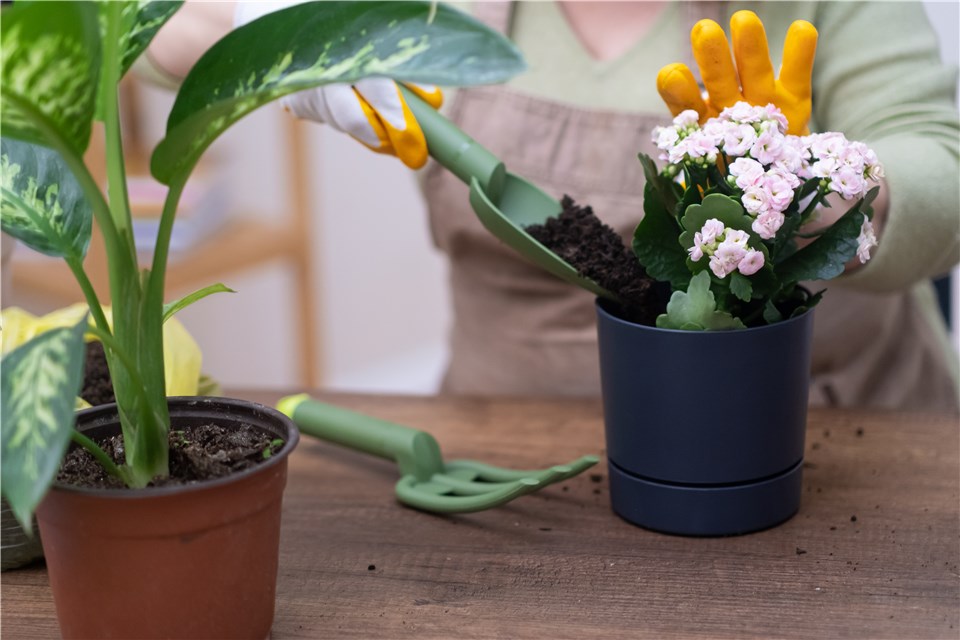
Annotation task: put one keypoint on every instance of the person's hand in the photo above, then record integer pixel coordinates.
(372, 110)
(752, 78)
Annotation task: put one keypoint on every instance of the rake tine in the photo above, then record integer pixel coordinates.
(499, 474)
(408, 494)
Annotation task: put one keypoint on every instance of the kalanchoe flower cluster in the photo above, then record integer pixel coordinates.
(749, 145)
(727, 249)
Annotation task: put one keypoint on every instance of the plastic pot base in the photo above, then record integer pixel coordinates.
(704, 510)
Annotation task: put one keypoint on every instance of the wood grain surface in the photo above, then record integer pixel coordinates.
(873, 552)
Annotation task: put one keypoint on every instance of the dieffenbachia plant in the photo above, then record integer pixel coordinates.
(61, 64)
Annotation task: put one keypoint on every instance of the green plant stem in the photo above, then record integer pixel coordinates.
(109, 100)
(88, 292)
(109, 465)
(162, 248)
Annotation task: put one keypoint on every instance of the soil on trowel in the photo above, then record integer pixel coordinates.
(598, 252)
(97, 386)
(197, 453)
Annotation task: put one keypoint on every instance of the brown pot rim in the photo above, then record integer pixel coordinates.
(105, 411)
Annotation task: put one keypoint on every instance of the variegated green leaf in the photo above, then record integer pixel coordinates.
(38, 381)
(141, 20)
(318, 43)
(50, 66)
(42, 205)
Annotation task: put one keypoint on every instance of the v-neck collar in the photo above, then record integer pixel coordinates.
(568, 32)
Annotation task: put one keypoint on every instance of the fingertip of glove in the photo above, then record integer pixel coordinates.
(803, 29)
(704, 29)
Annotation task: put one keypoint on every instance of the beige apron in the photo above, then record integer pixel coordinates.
(521, 331)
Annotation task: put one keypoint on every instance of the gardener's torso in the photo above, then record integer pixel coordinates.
(574, 125)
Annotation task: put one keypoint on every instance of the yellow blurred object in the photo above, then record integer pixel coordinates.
(752, 79)
(181, 353)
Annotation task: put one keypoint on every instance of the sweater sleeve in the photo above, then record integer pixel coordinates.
(878, 78)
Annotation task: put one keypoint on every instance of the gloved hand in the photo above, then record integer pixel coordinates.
(372, 110)
(752, 79)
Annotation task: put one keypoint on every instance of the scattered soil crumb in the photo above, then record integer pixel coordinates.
(800, 551)
(371, 567)
(596, 477)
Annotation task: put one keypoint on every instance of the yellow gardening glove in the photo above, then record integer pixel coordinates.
(371, 110)
(180, 352)
(752, 79)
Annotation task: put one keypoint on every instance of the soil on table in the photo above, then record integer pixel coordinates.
(197, 453)
(598, 252)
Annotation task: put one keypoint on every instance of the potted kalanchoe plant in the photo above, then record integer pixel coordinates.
(706, 412)
(196, 559)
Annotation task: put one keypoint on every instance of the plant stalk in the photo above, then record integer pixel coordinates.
(105, 461)
(89, 293)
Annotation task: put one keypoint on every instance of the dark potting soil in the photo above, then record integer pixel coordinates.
(97, 387)
(196, 453)
(598, 252)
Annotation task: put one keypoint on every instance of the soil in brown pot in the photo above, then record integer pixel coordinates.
(196, 453)
(598, 252)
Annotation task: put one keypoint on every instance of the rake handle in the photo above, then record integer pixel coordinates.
(416, 451)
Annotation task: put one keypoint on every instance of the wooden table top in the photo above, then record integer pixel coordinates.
(873, 553)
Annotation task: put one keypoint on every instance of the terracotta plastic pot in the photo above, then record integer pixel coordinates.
(705, 430)
(195, 561)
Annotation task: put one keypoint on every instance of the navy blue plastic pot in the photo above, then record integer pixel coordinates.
(705, 430)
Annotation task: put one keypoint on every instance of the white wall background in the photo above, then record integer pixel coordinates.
(382, 299)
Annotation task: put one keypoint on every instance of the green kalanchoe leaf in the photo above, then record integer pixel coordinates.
(50, 69)
(827, 256)
(740, 286)
(43, 206)
(696, 309)
(654, 241)
(318, 43)
(39, 381)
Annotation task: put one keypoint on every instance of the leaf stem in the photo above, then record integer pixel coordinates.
(88, 292)
(109, 465)
(109, 101)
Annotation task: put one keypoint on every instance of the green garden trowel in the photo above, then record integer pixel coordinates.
(427, 483)
(504, 202)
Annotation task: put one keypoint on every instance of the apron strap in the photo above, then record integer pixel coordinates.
(496, 14)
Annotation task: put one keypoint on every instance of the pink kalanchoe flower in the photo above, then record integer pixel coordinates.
(756, 200)
(747, 171)
(848, 182)
(767, 224)
(751, 263)
(725, 259)
(772, 113)
(866, 240)
(688, 118)
(742, 112)
(738, 139)
(700, 144)
(768, 146)
(665, 137)
(712, 229)
(696, 251)
(778, 189)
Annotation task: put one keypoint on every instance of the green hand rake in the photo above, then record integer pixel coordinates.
(428, 482)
